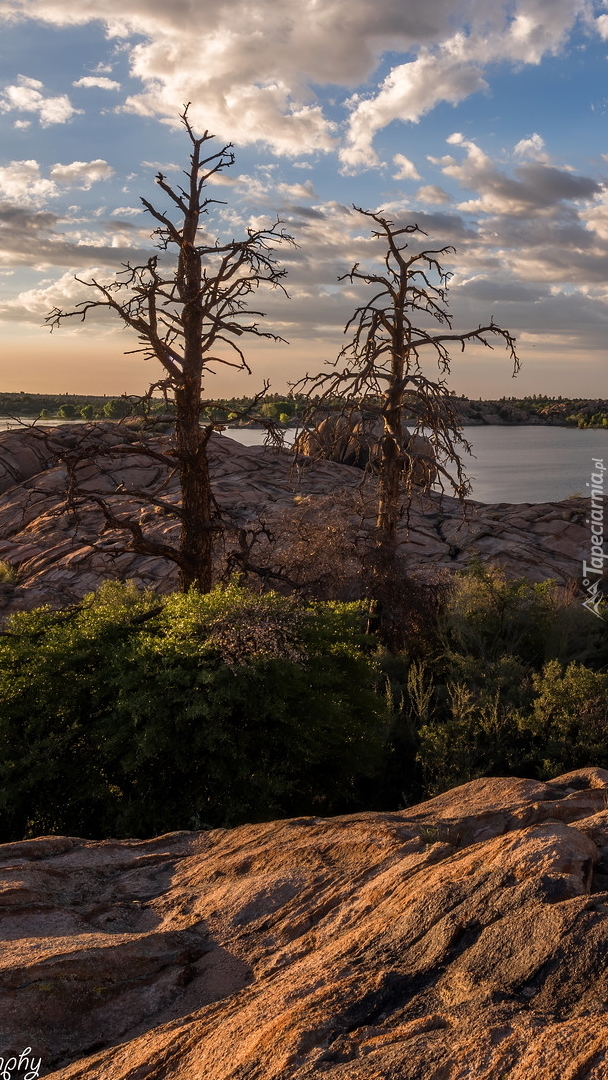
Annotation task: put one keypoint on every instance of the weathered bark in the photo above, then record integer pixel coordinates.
(196, 538)
(187, 319)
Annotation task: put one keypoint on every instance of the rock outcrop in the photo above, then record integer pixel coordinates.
(462, 939)
(354, 439)
(58, 557)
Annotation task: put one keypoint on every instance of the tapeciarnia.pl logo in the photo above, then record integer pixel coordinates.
(593, 571)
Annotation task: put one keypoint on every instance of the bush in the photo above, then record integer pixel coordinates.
(486, 615)
(486, 695)
(134, 714)
(569, 719)
(117, 408)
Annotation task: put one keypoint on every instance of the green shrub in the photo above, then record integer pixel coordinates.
(117, 408)
(8, 573)
(134, 715)
(487, 615)
(569, 719)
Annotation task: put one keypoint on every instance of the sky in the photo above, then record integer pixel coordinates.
(484, 122)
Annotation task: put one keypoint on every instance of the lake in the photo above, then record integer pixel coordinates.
(517, 464)
(511, 464)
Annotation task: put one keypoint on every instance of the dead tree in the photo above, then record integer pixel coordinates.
(188, 314)
(383, 364)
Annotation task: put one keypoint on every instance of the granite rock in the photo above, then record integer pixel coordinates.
(466, 937)
(58, 557)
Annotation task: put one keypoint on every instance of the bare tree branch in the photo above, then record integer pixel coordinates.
(381, 364)
(187, 319)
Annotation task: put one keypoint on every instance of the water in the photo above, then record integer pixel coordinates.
(19, 421)
(511, 464)
(515, 464)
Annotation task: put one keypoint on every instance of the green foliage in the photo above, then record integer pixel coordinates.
(134, 714)
(569, 719)
(87, 412)
(485, 700)
(117, 408)
(66, 412)
(8, 573)
(487, 615)
(276, 410)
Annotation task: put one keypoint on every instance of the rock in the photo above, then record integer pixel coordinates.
(59, 557)
(463, 938)
(354, 439)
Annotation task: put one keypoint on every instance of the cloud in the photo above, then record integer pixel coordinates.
(406, 170)
(33, 305)
(21, 181)
(431, 193)
(26, 96)
(253, 65)
(82, 174)
(34, 238)
(520, 33)
(409, 92)
(162, 166)
(126, 211)
(595, 217)
(298, 191)
(534, 186)
(91, 81)
(534, 147)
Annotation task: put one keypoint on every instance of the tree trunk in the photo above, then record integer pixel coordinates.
(391, 463)
(196, 543)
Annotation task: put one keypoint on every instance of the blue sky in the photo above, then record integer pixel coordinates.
(483, 121)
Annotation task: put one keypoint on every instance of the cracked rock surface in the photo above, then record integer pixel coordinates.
(466, 937)
(58, 559)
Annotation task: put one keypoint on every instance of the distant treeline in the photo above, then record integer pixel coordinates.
(535, 409)
(64, 406)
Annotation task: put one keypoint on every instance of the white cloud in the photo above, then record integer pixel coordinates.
(521, 33)
(406, 170)
(22, 125)
(91, 81)
(160, 166)
(534, 148)
(26, 96)
(126, 211)
(82, 174)
(33, 305)
(21, 183)
(431, 193)
(298, 191)
(252, 65)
